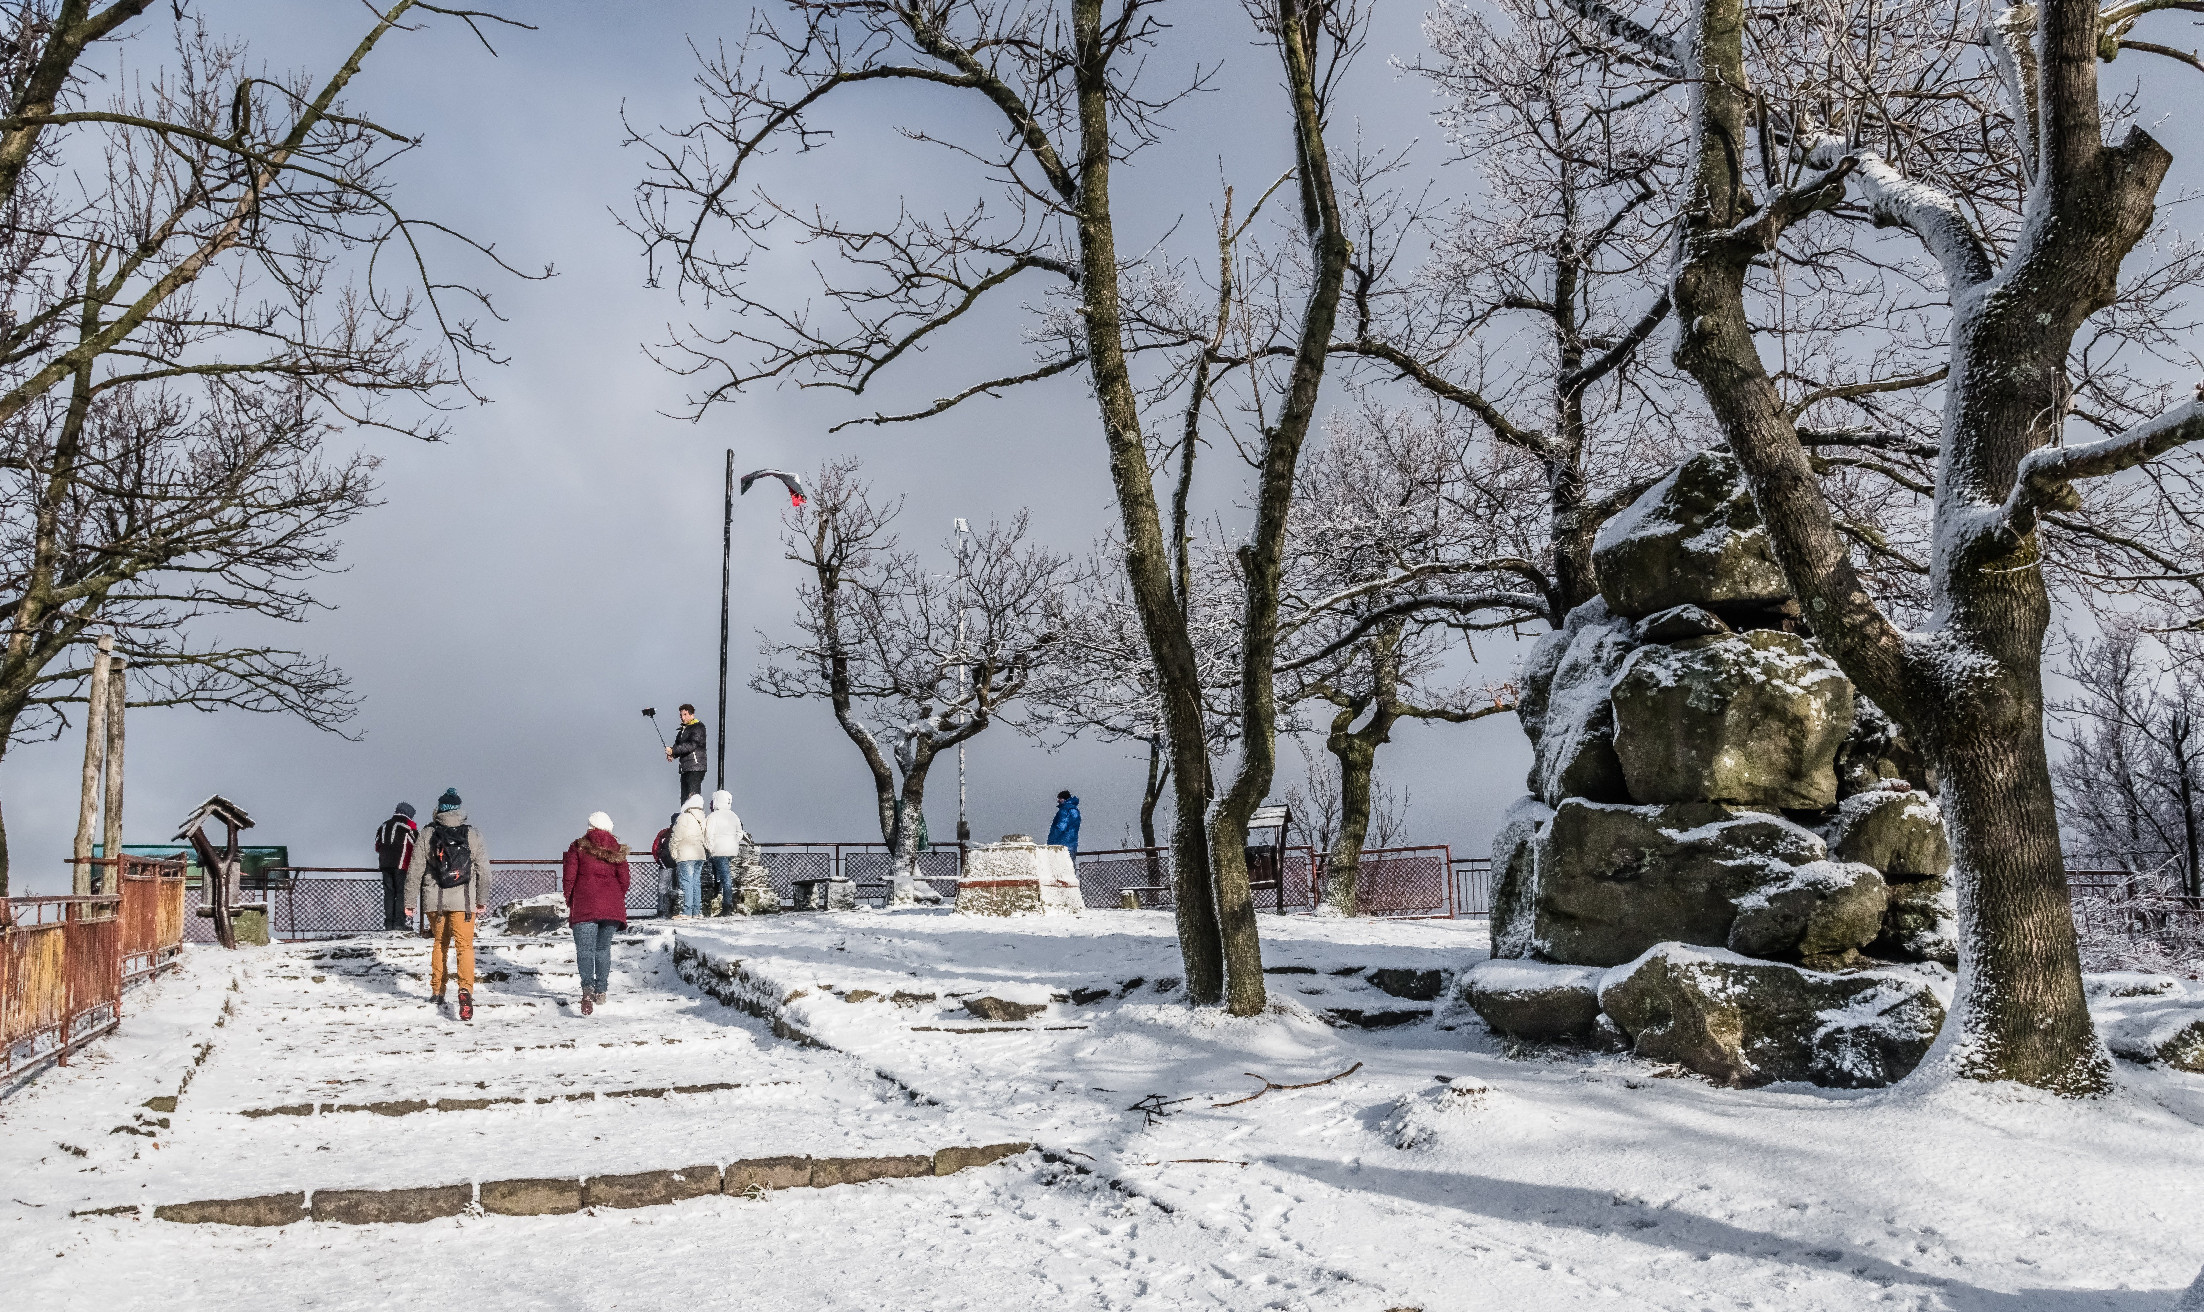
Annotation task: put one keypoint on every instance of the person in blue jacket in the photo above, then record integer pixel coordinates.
(1064, 829)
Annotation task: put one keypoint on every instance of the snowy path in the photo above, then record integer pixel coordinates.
(1501, 1183)
(1559, 1183)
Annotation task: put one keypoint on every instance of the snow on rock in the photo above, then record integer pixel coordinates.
(1018, 877)
(1570, 724)
(1515, 876)
(1693, 538)
(1743, 1022)
(1894, 828)
(1753, 719)
(1533, 999)
(2165, 1036)
(1615, 880)
(1820, 909)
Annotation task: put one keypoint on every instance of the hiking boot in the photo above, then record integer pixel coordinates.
(466, 1005)
(587, 1005)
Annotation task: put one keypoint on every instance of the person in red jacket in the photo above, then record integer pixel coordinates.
(596, 889)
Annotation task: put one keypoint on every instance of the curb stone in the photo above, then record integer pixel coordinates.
(558, 1196)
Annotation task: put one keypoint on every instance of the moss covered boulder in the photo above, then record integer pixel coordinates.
(1920, 922)
(1694, 538)
(1895, 828)
(1612, 881)
(1533, 999)
(1822, 910)
(1564, 710)
(1742, 1022)
(1753, 719)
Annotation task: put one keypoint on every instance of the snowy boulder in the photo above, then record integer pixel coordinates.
(1742, 1022)
(1681, 624)
(1893, 828)
(2130, 984)
(1564, 707)
(1877, 753)
(1752, 719)
(1613, 881)
(1532, 999)
(1920, 922)
(2162, 1036)
(1693, 538)
(1820, 910)
(543, 914)
(1515, 876)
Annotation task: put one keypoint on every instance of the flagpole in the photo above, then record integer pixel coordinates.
(726, 579)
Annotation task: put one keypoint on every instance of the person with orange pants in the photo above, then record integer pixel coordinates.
(448, 883)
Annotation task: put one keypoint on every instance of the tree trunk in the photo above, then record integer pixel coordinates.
(903, 879)
(1159, 773)
(1147, 557)
(1971, 690)
(1343, 863)
(83, 873)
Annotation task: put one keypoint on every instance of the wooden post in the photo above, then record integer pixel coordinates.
(111, 813)
(95, 744)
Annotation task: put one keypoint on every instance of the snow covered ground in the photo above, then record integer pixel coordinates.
(1439, 1174)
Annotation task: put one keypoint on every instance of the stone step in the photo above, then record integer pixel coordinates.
(556, 1195)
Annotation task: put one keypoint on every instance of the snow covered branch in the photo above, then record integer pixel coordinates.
(1933, 216)
(2047, 474)
(1668, 59)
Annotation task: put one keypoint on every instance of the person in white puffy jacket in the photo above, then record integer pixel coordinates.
(722, 846)
(686, 844)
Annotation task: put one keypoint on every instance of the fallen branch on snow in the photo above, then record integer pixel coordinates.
(1268, 1085)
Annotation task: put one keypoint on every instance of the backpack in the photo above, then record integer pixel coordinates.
(450, 862)
(661, 847)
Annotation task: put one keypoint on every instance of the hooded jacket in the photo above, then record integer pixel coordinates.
(687, 838)
(595, 880)
(1064, 830)
(723, 828)
(424, 894)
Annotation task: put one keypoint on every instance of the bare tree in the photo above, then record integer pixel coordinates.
(192, 304)
(1386, 512)
(934, 657)
(1102, 682)
(1070, 98)
(2131, 778)
(1968, 682)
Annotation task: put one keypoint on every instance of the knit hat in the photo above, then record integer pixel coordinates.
(449, 801)
(599, 820)
(405, 809)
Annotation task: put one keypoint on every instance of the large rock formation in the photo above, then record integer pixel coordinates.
(1718, 817)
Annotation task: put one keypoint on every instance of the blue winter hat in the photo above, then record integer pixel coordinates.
(405, 809)
(449, 801)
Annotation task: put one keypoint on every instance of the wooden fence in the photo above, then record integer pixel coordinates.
(65, 961)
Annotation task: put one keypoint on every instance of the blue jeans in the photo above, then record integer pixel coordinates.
(689, 873)
(593, 953)
(723, 874)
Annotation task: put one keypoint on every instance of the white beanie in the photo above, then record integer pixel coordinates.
(599, 820)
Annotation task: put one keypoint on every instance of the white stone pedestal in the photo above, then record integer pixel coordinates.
(1019, 877)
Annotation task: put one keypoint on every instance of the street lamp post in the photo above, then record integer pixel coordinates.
(964, 532)
(726, 577)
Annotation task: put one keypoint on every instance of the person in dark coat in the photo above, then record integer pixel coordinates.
(393, 853)
(1064, 829)
(596, 887)
(687, 752)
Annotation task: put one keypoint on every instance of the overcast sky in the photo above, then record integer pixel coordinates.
(532, 583)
